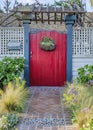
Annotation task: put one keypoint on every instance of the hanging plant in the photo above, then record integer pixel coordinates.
(47, 44)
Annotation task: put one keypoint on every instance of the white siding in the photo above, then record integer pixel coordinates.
(78, 62)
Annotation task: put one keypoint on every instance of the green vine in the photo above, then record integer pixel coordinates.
(67, 3)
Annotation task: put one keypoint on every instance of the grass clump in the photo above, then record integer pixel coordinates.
(14, 97)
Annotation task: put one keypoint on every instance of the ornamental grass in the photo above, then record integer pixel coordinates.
(14, 97)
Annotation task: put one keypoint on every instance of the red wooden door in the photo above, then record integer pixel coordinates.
(47, 68)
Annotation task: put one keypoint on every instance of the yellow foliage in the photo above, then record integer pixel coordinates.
(1, 91)
(91, 1)
(14, 97)
(84, 116)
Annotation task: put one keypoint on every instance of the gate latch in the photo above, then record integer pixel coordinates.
(30, 53)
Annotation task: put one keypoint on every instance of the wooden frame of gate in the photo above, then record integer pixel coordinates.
(44, 13)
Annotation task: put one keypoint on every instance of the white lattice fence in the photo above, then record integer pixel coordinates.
(83, 42)
(82, 49)
(11, 34)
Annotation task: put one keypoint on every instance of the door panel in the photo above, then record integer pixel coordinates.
(47, 68)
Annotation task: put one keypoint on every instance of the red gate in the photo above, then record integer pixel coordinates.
(47, 68)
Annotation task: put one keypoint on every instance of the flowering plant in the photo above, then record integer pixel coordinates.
(80, 101)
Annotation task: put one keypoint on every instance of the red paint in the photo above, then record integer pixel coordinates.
(48, 68)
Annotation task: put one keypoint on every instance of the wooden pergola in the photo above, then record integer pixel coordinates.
(46, 13)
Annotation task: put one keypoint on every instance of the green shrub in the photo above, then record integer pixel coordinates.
(12, 120)
(85, 74)
(8, 121)
(14, 97)
(80, 100)
(10, 68)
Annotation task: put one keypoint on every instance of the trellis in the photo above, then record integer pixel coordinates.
(82, 42)
(14, 35)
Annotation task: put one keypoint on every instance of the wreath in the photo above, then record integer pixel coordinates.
(47, 44)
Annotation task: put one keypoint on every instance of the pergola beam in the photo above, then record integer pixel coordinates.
(49, 13)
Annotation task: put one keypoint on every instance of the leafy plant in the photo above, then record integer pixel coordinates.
(8, 121)
(66, 4)
(46, 39)
(14, 97)
(85, 74)
(12, 120)
(10, 68)
(47, 44)
(77, 1)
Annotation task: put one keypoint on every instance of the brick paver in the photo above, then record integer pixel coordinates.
(45, 111)
(46, 103)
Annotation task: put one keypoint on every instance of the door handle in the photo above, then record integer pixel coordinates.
(31, 54)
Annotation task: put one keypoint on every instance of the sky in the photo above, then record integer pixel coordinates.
(88, 7)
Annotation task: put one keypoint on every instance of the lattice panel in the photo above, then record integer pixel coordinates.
(83, 42)
(13, 34)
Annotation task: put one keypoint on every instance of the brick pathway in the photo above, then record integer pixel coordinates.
(45, 111)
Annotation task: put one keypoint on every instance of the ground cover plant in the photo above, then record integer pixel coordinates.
(8, 122)
(10, 68)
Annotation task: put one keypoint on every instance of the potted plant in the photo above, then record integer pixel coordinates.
(47, 44)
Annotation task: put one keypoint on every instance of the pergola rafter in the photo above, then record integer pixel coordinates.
(45, 13)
